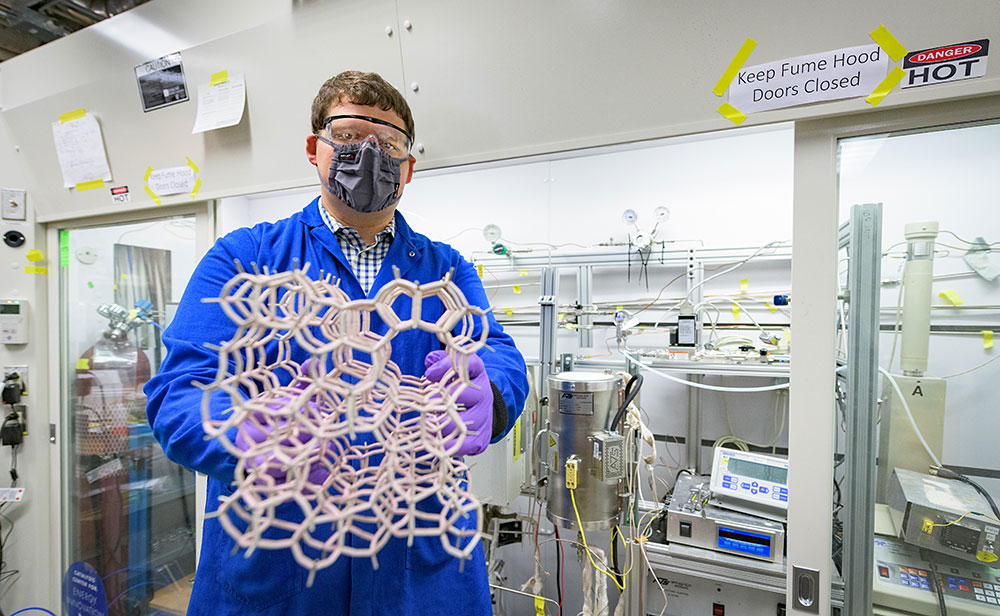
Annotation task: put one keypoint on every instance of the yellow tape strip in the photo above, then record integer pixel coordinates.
(888, 42)
(83, 364)
(508, 312)
(517, 288)
(539, 606)
(734, 67)
(771, 306)
(34, 255)
(886, 86)
(987, 339)
(744, 285)
(732, 113)
(197, 187)
(72, 115)
(153, 196)
(82, 186)
(479, 270)
(191, 164)
(220, 77)
(149, 171)
(30, 269)
(950, 296)
(736, 312)
(517, 439)
(524, 272)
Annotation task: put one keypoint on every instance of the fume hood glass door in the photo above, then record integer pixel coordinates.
(940, 258)
(128, 511)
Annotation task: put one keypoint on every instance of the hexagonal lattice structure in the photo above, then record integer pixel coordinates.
(348, 443)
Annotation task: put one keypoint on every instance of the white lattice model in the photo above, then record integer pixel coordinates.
(349, 459)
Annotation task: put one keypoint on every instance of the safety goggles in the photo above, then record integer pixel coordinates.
(351, 129)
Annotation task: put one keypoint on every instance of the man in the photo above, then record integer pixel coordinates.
(362, 132)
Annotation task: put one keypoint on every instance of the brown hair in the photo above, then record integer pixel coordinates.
(361, 89)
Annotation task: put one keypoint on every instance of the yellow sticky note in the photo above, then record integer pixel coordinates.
(619, 307)
(744, 285)
(888, 42)
(524, 272)
(539, 606)
(951, 297)
(149, 171)
(734, 66)
(771, 306)
(736, 312)
(124, 276)
(517, 289)
(508, 312)
(987, 339)
(72, 115)
(220, 77)
(83, 364)
(731, 113)
(479, 270)
(34, 255)
(191, 164)
(82, 186)
(197, 187)
(561, 316)
(29, 269)
(116, 287)
(153, 196)
(886, 86)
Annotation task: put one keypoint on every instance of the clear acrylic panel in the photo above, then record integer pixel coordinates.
(129, 513)
(938, 307)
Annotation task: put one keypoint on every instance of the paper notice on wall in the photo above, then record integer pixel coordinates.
(220, 105)
(842, 73)
(80, 149)
(171, 181)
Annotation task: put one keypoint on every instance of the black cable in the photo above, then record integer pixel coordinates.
(630, 395)
(947, 473)
(937, 581)
(559, 551)
(614, 558)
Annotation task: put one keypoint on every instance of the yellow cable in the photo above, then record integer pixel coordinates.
(954, 521)
(572, 495)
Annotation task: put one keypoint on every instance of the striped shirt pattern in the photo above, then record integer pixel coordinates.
(364, 260)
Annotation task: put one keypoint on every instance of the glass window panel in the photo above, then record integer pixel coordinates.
(131, 512)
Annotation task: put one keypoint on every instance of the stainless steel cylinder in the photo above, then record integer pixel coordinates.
(581, 408)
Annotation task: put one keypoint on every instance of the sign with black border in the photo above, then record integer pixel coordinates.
(161, 82)
(946, 63)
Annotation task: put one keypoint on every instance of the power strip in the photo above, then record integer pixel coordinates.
(11, 495)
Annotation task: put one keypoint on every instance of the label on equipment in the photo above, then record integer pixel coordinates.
(554, 448)
(120, 194)
(11, 495)
(572, 403)
(946, 63)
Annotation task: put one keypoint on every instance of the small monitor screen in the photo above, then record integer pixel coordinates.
(10, 309)
(756, 470)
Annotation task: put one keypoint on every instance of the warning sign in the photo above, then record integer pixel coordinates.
(946, 63)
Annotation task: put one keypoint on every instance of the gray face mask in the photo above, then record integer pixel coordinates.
(362, 175)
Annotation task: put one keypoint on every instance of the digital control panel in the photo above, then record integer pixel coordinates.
(13, 321)
(750, 477)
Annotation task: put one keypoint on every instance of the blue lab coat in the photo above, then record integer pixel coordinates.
(414, 580)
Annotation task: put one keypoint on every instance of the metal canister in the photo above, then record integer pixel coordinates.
(582, 405)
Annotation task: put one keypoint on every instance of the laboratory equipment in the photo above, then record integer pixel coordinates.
(943, 515)
(750, 482)
(582, 406)
(899, 445)
(13, 321)
(903, 582)
(691, 520)
(917, 279)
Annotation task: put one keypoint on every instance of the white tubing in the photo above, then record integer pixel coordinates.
(670, 377)
(909, 415)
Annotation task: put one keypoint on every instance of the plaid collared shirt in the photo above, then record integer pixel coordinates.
(364, 260)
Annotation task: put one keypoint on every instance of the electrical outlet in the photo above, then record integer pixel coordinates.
(22, 371)
(13, 204)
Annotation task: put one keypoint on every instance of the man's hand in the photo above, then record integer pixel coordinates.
(253, 432)
(475, 403)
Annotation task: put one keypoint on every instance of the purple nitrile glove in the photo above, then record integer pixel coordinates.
(476, 403)
(250, 434)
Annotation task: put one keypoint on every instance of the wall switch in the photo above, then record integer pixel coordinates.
(13, 202)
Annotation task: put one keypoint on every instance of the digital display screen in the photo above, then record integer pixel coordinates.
(756, 470)
(10, 309)
(745, 542)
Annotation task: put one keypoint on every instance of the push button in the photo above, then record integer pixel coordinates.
(685, 529)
